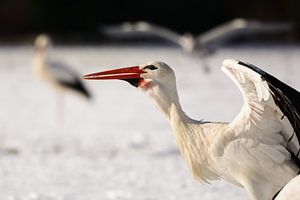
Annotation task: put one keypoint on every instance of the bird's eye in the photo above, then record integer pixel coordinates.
(151, 67)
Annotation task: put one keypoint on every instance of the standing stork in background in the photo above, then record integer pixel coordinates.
(57, 74)
(258, 150)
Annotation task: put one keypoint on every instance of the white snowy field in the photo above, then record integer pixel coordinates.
(118, 146)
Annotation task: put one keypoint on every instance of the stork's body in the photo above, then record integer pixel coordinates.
(57, 74)
(258, 150)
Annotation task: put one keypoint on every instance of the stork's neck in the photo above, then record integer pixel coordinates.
(40, 58)
(192, 142)
(184, 127)
(189, 133)
(166, 99)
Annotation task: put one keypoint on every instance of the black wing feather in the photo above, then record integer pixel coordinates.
(67, 77)
(77, 86)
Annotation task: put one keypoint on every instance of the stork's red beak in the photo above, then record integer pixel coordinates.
(129, 74)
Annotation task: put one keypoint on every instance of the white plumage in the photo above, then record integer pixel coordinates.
(291, 191)
(258, 150)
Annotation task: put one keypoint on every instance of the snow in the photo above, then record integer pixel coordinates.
(118, 146)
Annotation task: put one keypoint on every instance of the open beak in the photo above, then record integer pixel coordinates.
(129, 74)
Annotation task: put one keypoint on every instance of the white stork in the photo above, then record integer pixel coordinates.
(204, 44)
(57, 74)
(258, 150)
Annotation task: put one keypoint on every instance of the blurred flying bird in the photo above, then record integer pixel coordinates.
(258, 150)
(57, 74)
(204, 44)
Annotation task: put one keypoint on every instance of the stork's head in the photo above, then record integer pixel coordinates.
(155, 78)
(42, 42)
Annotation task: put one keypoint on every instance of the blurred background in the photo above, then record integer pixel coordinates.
(81, 20)
(110, 142)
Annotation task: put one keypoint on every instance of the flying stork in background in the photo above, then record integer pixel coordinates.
(58, 75)
(203, 45)
(259, 150)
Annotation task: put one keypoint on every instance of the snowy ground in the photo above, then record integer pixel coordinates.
(118, 146)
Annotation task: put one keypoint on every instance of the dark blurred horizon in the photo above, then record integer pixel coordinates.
(82, 18)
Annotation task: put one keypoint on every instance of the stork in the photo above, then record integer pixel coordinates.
(258, 150)
(57, 74)
(204, 44)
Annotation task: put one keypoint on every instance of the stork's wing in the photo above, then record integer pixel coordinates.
(157, 30)
(67, 77)
(271, 108)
